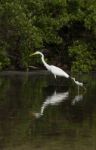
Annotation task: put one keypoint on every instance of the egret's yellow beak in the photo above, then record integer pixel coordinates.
(32, 54)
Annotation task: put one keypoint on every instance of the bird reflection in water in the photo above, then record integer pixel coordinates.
(77, 98)
(54, 99)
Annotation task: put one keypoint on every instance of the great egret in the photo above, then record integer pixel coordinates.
(56, 71)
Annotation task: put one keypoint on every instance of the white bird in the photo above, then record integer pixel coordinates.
(56, 71)
(54, 99)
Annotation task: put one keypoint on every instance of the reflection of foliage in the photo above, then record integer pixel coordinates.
(4, 87)
(22, 94)
(32, 91)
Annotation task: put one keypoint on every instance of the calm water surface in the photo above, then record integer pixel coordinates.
(38, 112)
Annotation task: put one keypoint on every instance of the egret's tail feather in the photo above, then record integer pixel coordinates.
(77, 82)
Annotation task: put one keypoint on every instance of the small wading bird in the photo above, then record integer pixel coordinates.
(56, 71)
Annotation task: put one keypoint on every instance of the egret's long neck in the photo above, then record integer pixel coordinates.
(45, 64)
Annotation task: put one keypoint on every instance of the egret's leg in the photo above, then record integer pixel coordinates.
(55, 76)
(55, 83)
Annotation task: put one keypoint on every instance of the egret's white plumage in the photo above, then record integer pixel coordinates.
(77, 82)
(56, 71)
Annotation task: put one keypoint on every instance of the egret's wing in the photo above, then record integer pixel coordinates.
(58, 71)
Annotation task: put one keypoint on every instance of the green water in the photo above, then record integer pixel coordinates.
(38, 112)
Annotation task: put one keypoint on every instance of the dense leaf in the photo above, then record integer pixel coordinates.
(55, 25)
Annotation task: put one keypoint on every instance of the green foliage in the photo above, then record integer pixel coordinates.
(28, 25)
(18, 31)
(83, 58)
(4, 60)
